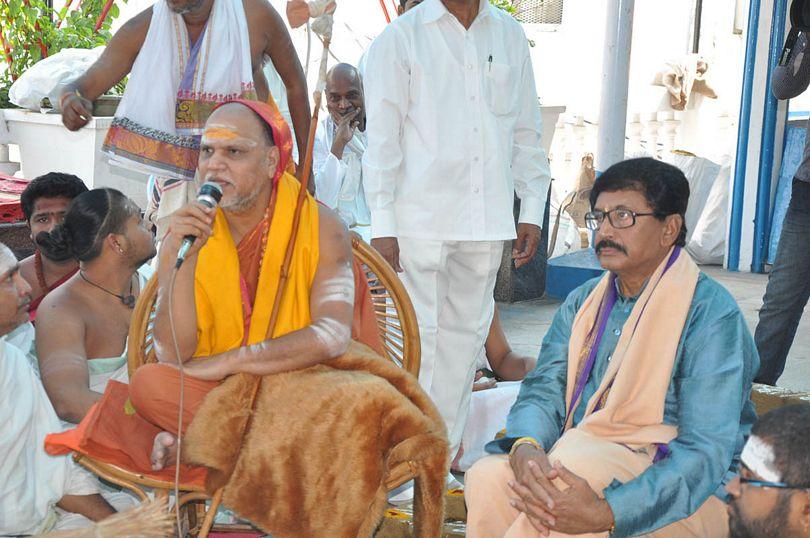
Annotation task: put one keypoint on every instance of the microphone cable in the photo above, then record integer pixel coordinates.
(179, 438)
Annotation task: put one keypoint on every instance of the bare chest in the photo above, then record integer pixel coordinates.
(107, 326)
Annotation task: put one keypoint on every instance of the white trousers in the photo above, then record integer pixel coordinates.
(451, 285)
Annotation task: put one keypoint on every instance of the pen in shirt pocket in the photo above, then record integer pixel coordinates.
(489, 61)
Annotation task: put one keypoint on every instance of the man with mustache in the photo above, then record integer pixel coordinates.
(37, 491)
(44, 203)
(338, 152)
(771, 497)
(635, 415)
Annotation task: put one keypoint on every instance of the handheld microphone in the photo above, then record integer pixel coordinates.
(210, 194)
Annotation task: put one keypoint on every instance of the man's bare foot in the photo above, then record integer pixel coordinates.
(164, 450)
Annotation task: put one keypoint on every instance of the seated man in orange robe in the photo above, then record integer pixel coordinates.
(223, 294)
(259, 375)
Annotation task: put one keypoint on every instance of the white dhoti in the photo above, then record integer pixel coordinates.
(31, 481)
(451, 285)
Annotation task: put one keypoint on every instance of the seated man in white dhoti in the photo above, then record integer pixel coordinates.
(37, 492)
(634, 418)
(82, 326)
(340, 142)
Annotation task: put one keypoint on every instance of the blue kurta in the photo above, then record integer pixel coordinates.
(708, 400)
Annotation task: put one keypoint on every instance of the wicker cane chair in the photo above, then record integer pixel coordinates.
(396, 320)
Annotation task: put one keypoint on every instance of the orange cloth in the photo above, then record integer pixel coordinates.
(154, 391)
(600, 462)
(108, 434)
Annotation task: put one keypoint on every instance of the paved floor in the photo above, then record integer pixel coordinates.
(526, 323)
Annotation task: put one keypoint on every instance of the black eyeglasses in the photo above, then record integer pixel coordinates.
(619, 218)
(765, 484)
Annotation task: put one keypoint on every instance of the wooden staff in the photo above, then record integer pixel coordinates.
(302, 194)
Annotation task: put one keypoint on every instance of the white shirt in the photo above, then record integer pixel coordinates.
(31, 481)
(339, 182)
(453, 127)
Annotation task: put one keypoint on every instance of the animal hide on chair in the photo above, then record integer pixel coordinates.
(316, 459)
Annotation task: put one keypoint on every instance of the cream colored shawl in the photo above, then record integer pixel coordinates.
(640, 371)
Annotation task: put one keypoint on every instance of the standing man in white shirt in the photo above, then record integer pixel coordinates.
(453, 128)
(340, 142)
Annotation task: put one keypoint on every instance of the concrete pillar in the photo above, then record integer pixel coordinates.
(615, 79)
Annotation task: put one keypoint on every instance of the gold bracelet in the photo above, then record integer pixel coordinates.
(524, 441)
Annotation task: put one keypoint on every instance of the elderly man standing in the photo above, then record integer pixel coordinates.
(635, 416)
(453, 133)
(184, 57)
(338, 152)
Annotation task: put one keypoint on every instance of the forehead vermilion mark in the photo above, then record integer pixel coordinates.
(220, 133)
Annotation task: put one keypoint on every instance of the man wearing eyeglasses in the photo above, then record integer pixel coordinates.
(635, 416)
(771, 497)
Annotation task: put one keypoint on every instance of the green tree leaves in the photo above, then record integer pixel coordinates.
(31, 30)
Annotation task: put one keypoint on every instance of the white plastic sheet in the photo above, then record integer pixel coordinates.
(46, 78)
(706, 212)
